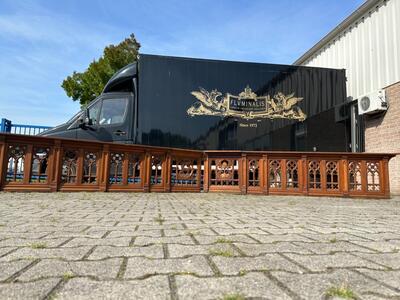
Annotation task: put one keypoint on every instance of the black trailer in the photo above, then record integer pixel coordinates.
(217, 105)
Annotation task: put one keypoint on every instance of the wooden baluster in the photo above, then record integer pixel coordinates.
(79, 168)
(206, 174)
(265, 174)
(146, 174)
(3, 160)
(322, 170)
(344, 176)
(166, 172)
(243, 173)
(198, 174)
(283, 175)
(364, 175)
(103, 173)
(28, 164)
(304, 171)
(55, 166)
(384, 177)
(125, 168)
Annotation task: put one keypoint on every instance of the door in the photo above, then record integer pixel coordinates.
(110, 118)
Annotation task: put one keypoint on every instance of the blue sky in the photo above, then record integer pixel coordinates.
(42, 42)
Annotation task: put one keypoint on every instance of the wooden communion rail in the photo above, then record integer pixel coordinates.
(29, 163)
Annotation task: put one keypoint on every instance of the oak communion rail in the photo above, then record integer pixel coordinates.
(29, 163)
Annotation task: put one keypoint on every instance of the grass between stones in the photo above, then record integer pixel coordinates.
(224, 253)
(68, 275)
(233, 297)
(223, 241)
(342, 291)
(159, 219)
(38, 245)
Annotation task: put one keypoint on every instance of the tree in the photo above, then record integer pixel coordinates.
(89, 84)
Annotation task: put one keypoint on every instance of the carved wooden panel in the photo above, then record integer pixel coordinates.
(134, 171)
(373, 176)
(224, 172)
(275, 173)
(332, 175)
(69, 166)
(314, 174)
(39, 170)
(253, 172)
(156, 169)
(292, 174)
(90, 167)
(184, 172)
(115, 168)
(355, 183)
(16, 163)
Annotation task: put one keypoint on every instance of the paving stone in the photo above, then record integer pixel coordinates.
(153, 251)
(155, 287)
(131, 233)
(252, 285)
(382, 246)
(120, 241)
(340, 236)
(176, 250)
(201, 231)
(234, 265)
(321, 263)
(331, 247)
(273, 238)
(212, 239)
(27, 290)
(391, 278)
(315, 286)
(279, 247)
(5, 250)
(139, 267)
(143, 241)
(103, 269)
(390, 260)
(18, 242)
(62, 253)
(9, 268)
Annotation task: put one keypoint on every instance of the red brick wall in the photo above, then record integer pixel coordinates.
(383, 134)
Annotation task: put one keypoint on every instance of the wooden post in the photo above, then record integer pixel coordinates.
(344, 177)
(364, 177)
(125, 168)
(104, 170)
(265, 174)
(385, 181)
(79, 167)
(28, 164)
(304, 171)
(55, 165)
(146, 174)
(166, 170)
(3, 160)
(206, 174)
(243, 173)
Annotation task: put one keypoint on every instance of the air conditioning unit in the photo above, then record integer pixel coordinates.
(372, 103)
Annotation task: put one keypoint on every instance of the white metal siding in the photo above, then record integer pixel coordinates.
(369, 50)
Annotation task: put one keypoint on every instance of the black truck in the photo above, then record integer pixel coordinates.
(217, 105)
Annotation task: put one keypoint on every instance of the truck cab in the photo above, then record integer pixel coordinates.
(110, 117)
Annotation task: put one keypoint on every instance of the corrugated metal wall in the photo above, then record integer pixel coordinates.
(369, 50)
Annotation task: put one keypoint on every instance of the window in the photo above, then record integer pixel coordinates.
(94, 112)
(113, 111)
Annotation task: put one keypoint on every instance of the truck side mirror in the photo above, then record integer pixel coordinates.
(88, 120)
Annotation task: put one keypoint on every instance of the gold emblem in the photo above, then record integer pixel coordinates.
(247, 105)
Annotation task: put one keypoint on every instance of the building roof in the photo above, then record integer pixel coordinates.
(359, 12)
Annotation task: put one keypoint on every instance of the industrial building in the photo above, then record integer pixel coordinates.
(367, 45)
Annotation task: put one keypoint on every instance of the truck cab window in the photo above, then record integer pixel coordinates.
(94, 112)
(113, 111)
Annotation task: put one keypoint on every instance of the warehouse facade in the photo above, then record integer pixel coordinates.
(367, 45)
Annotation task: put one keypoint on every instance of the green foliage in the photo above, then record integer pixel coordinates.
(89, 84)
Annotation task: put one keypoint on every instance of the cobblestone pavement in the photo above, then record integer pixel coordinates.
(197, 246)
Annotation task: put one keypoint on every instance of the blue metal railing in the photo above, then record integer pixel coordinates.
(8, 126)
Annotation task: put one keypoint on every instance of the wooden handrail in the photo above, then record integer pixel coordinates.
(31, 163)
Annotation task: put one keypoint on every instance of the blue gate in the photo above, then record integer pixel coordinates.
(8, 126)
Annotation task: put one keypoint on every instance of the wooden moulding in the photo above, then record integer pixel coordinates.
(57, 148)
